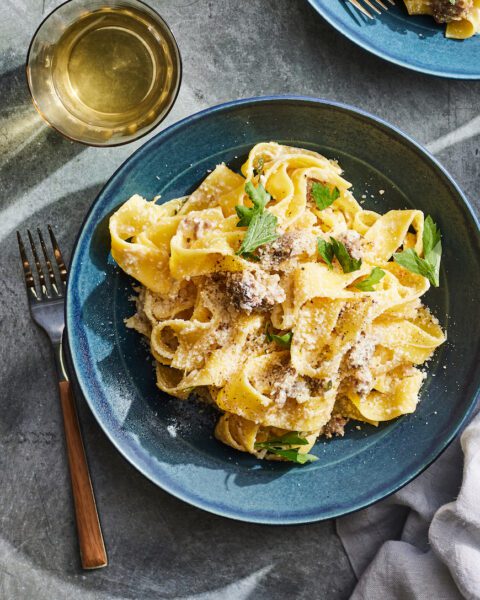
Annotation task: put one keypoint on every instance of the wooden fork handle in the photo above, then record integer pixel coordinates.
(92, 548)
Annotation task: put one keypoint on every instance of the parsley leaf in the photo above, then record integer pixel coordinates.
(326, 251)
(251, 256)
(410, 260)
(294, 455)
(431, 235)
(347, 263)
(292, 438)
(284, 340)
(432, 248)
(261, 230)
(259, 197)
(282, 447)
(323, 195)
(367, 284)
(434, 258)
(429, 266)
(261, 224)
(245, 215)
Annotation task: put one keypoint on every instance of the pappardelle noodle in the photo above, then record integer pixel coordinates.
(462, 17)
(275, 296)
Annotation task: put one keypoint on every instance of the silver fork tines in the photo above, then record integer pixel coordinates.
(46, 301)
(57, 283)
(51, 272)
(27, 271)
(370, 3)
(62, 269)
(41, 276)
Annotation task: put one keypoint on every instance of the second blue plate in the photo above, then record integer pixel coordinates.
(414, 42)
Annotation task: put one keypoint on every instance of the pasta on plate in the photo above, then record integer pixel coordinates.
(462, 17)
(275, 296)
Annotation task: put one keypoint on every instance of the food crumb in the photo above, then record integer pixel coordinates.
(172, 430)
(381, 192)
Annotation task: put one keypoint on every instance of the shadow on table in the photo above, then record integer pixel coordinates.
(29, 149)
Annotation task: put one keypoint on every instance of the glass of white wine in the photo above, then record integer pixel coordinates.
(103, 72)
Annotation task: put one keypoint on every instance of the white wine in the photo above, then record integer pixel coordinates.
(110, 68)
(114, 71)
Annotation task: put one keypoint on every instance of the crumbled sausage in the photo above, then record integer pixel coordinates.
(336, 426)
(288, 384)
(288, 245)
(445, 11)
(352, 241)
(254, 290)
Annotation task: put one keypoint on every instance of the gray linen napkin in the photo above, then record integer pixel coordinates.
(424, 541)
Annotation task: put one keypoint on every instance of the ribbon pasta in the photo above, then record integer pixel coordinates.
(346, 352)
(462, 17)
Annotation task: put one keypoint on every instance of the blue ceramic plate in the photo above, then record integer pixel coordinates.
(115, 372)
(414, 42)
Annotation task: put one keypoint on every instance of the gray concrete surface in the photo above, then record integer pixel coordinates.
(158, 546)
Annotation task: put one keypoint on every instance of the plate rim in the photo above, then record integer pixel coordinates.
(74, 371)
(350, 35)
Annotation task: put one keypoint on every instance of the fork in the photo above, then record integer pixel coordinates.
(46, 303)
(369, 3)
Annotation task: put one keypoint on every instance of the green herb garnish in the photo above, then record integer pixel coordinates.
(346, 261)
(282, 446)
(294, 455)
(259, 197)
(367, 284)
(326, 251)
(429, 266)
(323, 195)
(251, 256)
(293, 438)
(262, 230)
(261, 224)
(284, 340)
